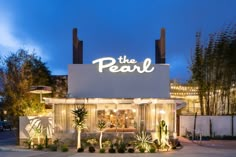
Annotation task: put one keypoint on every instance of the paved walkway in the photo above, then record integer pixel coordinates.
(212, 148)
(218, 144)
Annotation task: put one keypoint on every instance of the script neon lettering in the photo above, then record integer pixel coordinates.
(125, 65)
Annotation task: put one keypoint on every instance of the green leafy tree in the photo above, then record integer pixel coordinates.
(197, 70)
(19, 72)
(214, 71)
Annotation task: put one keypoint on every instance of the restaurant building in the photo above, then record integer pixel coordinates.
(129, 95)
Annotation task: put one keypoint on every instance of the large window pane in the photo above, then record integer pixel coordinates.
(118, 118)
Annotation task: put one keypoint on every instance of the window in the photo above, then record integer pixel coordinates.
(120, 118)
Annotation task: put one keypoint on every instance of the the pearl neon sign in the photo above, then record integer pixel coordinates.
(124, 65)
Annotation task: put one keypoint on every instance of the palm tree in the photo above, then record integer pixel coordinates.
(80, 121)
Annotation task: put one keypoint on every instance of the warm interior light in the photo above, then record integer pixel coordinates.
(162, 112)
(63, 111)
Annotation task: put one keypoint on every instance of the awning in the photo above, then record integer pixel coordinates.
(180, 104)
(138, 101)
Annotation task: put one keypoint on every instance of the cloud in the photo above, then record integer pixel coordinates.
(10, 42)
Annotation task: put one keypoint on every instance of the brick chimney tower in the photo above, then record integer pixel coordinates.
(160, 48)
(77, 48)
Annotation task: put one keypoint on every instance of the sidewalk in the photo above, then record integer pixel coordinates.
(219, 144)
(211, 148)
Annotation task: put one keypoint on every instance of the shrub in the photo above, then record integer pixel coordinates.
(106, 144)
(157, 144)
(79, 150)
(91, 149)
(28, 143)
(121, 147)
(39, 147)
(111, 149)
(141, 150)
(175, 143)
(102, 150)
(56, 142)
(84, 143)
(131, 150)
(53, 147)
(152, 150)
(120, 150)
(144, 141)
(64, 148)
(92, 141)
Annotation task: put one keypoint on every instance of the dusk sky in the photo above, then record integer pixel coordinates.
(111, 28)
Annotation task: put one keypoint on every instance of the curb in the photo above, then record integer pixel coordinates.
(14, 149)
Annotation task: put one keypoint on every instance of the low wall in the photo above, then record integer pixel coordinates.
(35, 128)
(221, 125)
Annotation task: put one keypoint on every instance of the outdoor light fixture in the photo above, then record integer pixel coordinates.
(41, 90)
(162, 112)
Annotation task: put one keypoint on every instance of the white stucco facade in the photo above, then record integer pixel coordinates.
(85, 81)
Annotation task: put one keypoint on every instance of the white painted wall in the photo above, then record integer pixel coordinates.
(221, 125)
(84, 81)
(29, 123)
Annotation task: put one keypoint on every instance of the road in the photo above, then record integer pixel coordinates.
(187, 151)
(8, 138)
(190, 149)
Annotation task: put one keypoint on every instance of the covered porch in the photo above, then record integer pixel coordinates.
(120, 115)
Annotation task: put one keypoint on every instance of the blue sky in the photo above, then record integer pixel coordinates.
(110, 28)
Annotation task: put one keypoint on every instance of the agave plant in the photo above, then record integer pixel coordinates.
(144, 141)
